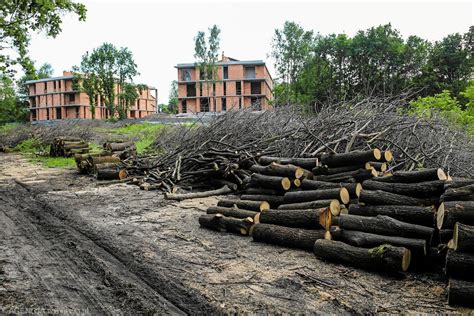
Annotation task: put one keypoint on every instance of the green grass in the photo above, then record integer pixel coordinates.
(30, 148)
(5, 128)
(56, 162)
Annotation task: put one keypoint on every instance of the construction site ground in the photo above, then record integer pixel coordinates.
(69, 245)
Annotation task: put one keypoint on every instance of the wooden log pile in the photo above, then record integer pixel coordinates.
(121, 149)
(68, 147)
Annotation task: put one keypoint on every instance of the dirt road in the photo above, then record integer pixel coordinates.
(68, 245)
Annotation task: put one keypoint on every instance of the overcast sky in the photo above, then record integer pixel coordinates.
(160, 33)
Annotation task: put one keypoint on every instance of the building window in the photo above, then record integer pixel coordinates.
(213, 88)
(256, 88)
(47, 114)
(184, 107)
(33, 102)
(138, 104)
(33, 115)
(78, 109)
(240, 103)
(225, 87)
(250, 72)
(204, 105)
(256, 103)
(200, 89)
(224, 104)
(186, 75)
(238, 88)
(45, 87)
(59, 84)
(58, 113)
(226, 72)
(54, 85)
(190, 90)
(201, 74)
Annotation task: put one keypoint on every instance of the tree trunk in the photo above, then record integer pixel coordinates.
(108, 172)
(415, 176)
(102, 159)
(305, 163)
(458, 182)
(451, 212)
(325, 170)
(369, 240)
(315, 219)
(384, 225)
(463, 238)
(270, 182)
(341, 194)
(358, 175)
(461, 293)
(179, 197)
(275, 169)
(273, 200)
(119, 146)
(334, 206)
(287, 237)
(459, 265)
(256, 206)
(465, 193)
(378, 197)
(231, 212)
(221, 182)
(307, 184)
(221, 223)
(419, 189)
(382, 258)
(351, 158)
(421, 215)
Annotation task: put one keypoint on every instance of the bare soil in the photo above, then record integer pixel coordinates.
(68, 245)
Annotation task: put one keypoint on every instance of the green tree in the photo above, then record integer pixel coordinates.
(172, 106)
(11, 107)
(206, 55)
(20, 17)
(128, 96)
(45, 71)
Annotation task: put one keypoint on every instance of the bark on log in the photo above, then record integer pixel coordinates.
(325, 170)
(358, 175)
(231, 212)
(307, 184)
(264, 191)
(270, 182)
(295, 218)
(334, 206)
(465, 193)
(445, 235)
(179, 197)
(463, 238)
(458, 182)
(461, 293)
(222, 223)
(421, 215)
(384, 225)
(222, 182)
(419, 189)
(102, 159)
(369, 240)
(341, 194)
(455, 211)
(256, 206)
(351, 158)
(305, 163)
(110, 173)
(273, 200)
(275, 169)
(378, 197)
(287, 236)
(119, 146)
(382, 258)
(415, 176)
(459, 265)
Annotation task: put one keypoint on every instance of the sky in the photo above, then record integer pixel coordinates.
(161, 33)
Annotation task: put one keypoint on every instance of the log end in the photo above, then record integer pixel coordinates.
(264, 206)
(383, 167)
(122, 174)
(406, 260)
(297, 183)
(440, 216)
(327, 235)
(344, 195)
(344, 210)
(256, 219)
(358, 189)
(377, 154)
(325, 219)
(286, 184)
(441, 174)
(388, 156)
(299, 173)
(335, 207)
(455, 237)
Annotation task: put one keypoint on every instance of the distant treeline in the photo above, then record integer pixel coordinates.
(314, 69)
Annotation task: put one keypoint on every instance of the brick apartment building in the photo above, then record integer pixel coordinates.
(238, 84)
(55, 98)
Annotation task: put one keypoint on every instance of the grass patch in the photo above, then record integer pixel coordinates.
(5, 128)
(56, 162)
(30, 148)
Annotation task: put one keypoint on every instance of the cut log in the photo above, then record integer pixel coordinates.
(384, 225)
(275, 169)
(358, 175)
(110, 173)
(465, 193)
(287, 236)
(222, 182)
(417, 189)
(461, 293)
(445, 235)
(459, 265)
(270, 182)
(305, 163)
(273, 200)
(415, 176)
(295, 218)
(455, 211)
(119, 146)
(334, 206)
(379, 166)
(463, 238)
(102, 159)
(325, 170)
(458, 182)
(296, 183)
(369, 240)
(351, 158)
(246, 205)
(222, 223)
(264, 191)
(382, 258)
(318, 185)
(387, 156)
(231, 212)
(378, 197)
(341, 194)
(179, 197)
(421, 215)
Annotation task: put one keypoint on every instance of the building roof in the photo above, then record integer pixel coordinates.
(224, 63)
(49, 79)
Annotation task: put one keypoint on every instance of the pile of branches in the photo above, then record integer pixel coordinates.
(228, 145)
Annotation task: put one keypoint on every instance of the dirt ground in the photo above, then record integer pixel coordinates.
(68, 245)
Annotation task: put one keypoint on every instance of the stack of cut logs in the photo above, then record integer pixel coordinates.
(107, 164)
(349, 209)
(68, 147)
